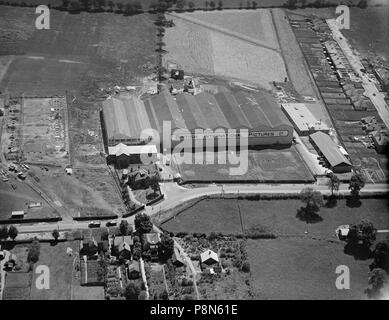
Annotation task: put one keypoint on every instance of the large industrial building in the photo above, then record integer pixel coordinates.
(125, 118)
(303, 120)
(336, 159)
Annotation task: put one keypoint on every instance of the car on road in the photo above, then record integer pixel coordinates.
(94, 224)
(111, 223)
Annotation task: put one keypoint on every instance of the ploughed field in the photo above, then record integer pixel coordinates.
(233, 44)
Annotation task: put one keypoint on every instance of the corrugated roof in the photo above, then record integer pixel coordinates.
(329, 149)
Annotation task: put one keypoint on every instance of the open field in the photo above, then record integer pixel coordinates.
(213, 49)
(263, 165)
(294, 59)
(278, 216)
(78, 53)
(303, 269)
(18, 199)
(61, 267)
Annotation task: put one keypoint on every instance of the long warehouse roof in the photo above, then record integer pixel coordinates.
(329, 149)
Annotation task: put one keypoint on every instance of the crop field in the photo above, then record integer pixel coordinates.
(263, 165)
(277, 216)
(303, 269)
(213, 49)
(77, 51)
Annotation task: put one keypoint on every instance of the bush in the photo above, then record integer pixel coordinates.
(246, 266)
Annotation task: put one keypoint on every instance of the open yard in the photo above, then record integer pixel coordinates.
(263, 165)
(295, 268)
(200, 45)
(278, 216)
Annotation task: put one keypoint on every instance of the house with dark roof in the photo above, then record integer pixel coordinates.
(152, 240)
(325, 146)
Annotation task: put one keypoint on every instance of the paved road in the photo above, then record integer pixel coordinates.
(175, 195)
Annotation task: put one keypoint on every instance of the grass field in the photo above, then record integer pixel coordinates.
(200, 45)
(78, 52)
(263, 165)
(61, 268)
(303, 269)
(278, 216)
(18, 199)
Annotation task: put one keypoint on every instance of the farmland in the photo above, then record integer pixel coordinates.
(233, 216)
(249, 54)
(263, 165)
(302, 269)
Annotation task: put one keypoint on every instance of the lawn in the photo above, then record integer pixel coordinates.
(263, 165)
(295, 268)
(61, 268)
(278, 216)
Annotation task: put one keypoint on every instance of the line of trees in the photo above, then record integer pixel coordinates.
(8, 232)
(294, 4)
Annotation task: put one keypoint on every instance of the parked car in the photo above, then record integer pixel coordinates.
(111, 223)
(94, 224)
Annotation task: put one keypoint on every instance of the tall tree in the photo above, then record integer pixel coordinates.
(12, 232)
(363, 234)
(212, 5)
(377, 280)
(111, 5)
(357, 182)
(124, 227)
(154, 183)
(3, 233)
(381, 256)
(333, 183)
(312, 198)
(132, 291)
(166, 248)
(34, 251)
(55, 234)
(191, 5)
(220, 5)
(143, 223)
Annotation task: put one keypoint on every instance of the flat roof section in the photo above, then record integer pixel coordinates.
(302, 117)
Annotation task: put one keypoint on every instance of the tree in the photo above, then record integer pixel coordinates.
(154, 183)
(111, 5)
(362, 4)
(363, 234)
(333, 183)
(119, 5)
(164, 295)
(246, 266)
(180, 4)
(291, 4)
(166, 248)
(55, 234)
(12, 232)
(312, 198)
(357, 182)
(212, 5)
(74, 6)
(143, 223)
(128, 9)
(34, 251)
(377, 280)
(255, 4)
(142, 295)
(381, 256)
(137, 6)
(191, 5)
(124, 227)
(65, 4)
(102, 269)
(3, 233)
(132, 291)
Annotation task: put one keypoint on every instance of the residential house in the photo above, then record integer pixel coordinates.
(122, 247)
(209, 258)
(133, 270)
(89, 248)
(152, 241)
(177, 260)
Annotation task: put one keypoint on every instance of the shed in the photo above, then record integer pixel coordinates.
(17, 214)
